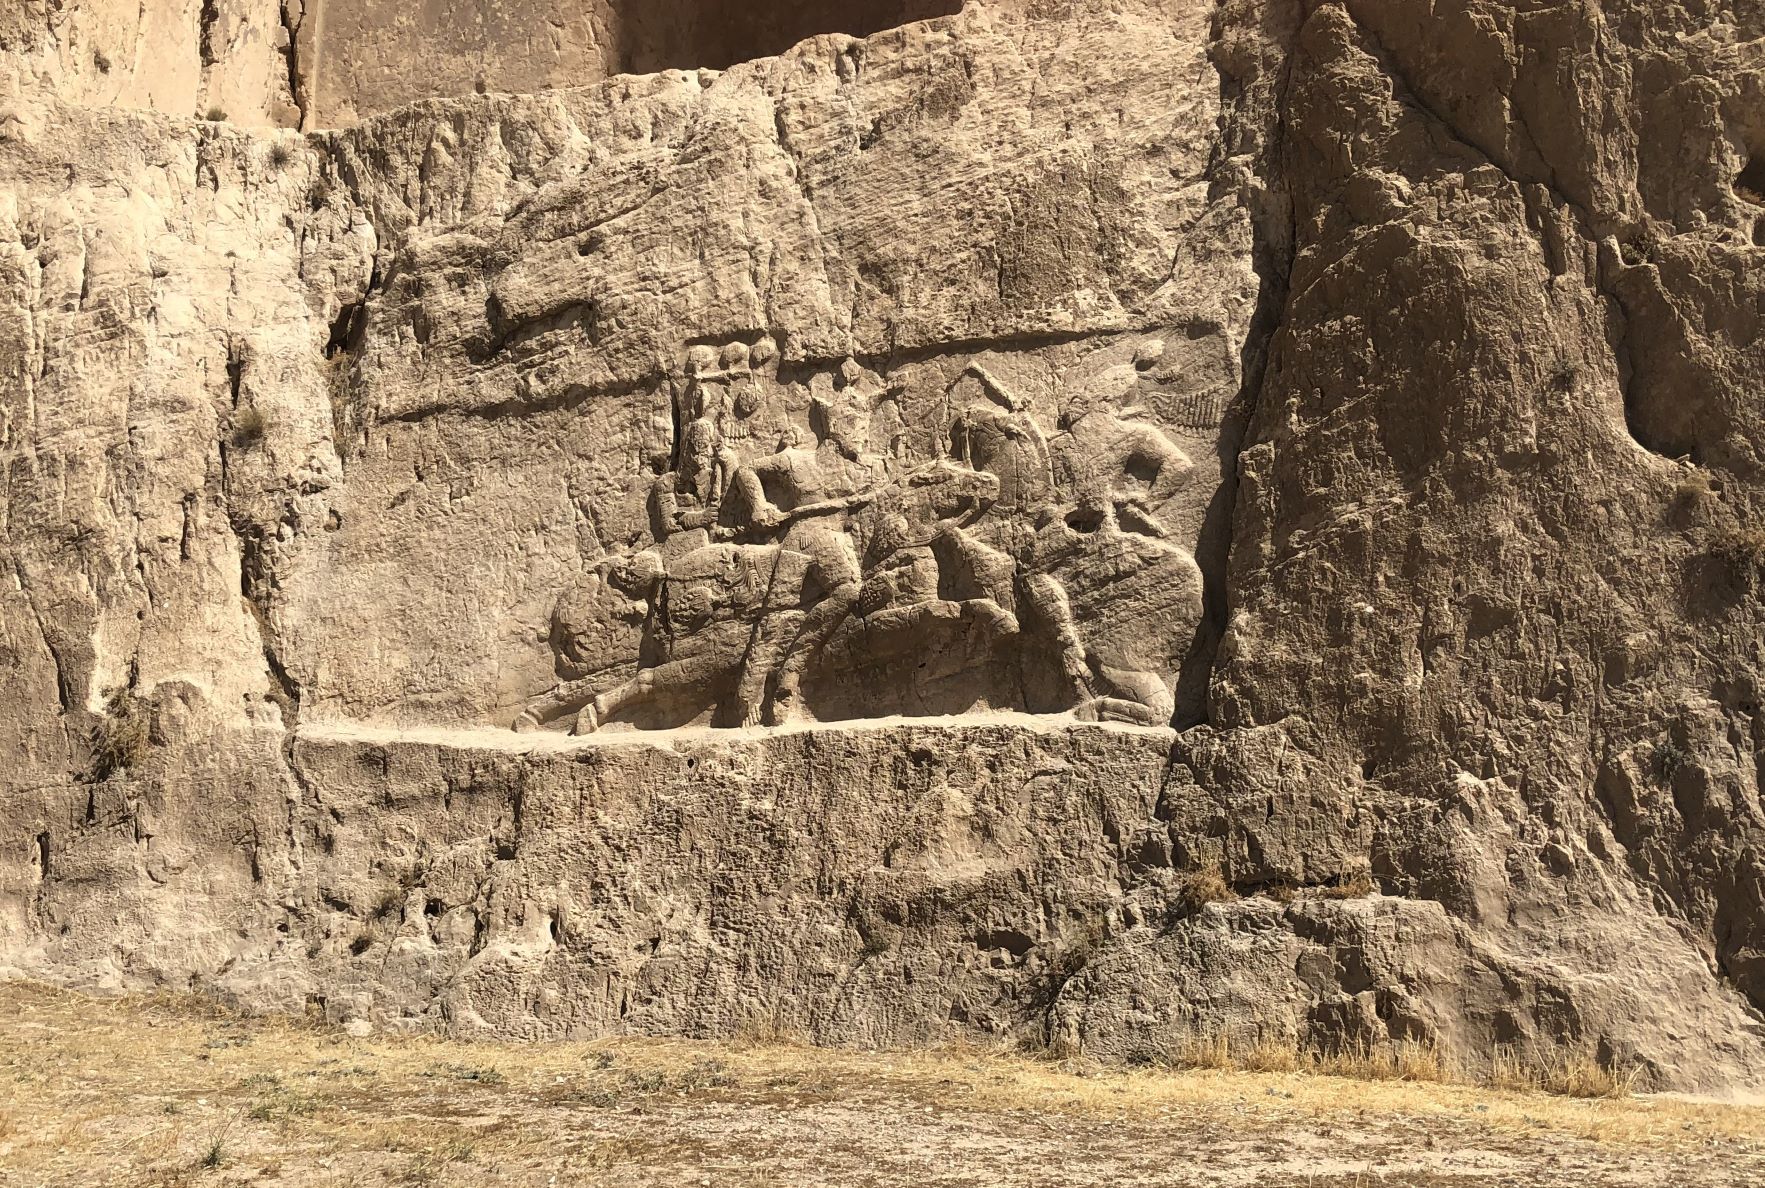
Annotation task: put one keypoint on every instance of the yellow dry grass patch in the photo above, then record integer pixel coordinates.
(1565, 1073)
(171, 1089)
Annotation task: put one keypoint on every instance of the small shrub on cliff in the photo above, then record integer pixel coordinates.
(1357, 885)
(1694, 490)
(1079, 944)
(1641, 247)
(120, 739)
(1280, 891)
(1206, 886)
(279, 155)
(1666, 759)
(247, 427)
(390, 902)
(1742, 548)
(215, 115)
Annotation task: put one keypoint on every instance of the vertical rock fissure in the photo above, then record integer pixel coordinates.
(256, 580)
(1272, 260)
(255, 585)
(64, 690)
(309, 108)
(207, 19)
(292, 20)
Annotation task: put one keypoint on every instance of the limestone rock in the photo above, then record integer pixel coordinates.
(839, 540)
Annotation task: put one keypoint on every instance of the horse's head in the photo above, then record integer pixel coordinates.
(637, 575)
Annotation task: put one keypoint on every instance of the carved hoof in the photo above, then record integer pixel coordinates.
(782, 709)
(526, 722)
(587, 722)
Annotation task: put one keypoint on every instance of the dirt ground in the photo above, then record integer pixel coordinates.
(163, 1091)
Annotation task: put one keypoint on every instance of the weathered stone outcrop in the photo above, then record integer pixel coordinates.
(966, 480)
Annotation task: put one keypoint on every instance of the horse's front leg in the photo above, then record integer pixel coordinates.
(562, 699)
(603, 706)
(669, 678)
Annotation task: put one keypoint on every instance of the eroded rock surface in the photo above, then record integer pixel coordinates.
(843, 541)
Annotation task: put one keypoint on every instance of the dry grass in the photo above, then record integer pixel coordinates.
(767, 1025)
(1218, 1052)
(1566, 1073)
(1205, 886)
(249, 1099)
(1695, 489)
(121, 738)
(1402, 1061)
(1356, 885)
(1742, 548)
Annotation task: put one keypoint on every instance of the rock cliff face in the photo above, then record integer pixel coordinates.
(842, 542)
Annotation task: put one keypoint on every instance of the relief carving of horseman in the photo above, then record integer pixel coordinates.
(828, 573)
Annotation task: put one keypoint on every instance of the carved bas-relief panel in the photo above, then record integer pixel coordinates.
(711, 399)
(974, 533)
